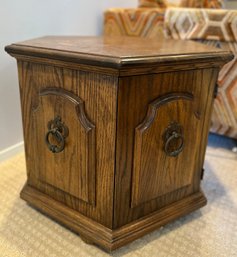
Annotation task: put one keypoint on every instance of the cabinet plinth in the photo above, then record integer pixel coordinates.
(115, 131)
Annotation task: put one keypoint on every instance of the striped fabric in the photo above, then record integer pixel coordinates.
(216, 4)
(182, 3)
(153, 3)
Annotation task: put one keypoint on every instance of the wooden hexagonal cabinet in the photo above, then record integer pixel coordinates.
(115, 130)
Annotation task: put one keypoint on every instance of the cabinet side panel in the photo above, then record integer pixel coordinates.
(146, 178)
(81, 176)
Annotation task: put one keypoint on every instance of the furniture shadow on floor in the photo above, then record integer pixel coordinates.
(212, 185)
(28, 230)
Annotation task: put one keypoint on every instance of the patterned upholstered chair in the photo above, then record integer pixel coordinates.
(175, 19)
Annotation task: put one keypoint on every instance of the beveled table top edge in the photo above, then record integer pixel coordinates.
(40, 48)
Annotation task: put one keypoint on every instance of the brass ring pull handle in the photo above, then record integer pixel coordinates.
(174, 136)
(58, 132)
(173, 139)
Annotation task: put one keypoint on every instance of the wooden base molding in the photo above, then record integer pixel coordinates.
(93, 232)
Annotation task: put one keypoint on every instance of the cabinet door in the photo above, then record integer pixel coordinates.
(162, 129)
(65, 138)
(163, 144)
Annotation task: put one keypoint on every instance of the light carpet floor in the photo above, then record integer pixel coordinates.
(209, 232)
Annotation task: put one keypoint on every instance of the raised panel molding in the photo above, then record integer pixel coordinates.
(141, 149)
(79, 160)
(156, 104)
(77, 101)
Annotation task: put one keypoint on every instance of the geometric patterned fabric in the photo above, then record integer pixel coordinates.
(213, 27)
(217, 28)
(224, 115)
(186, 23)
(140, 22)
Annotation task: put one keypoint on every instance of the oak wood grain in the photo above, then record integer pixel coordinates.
(140, 187)
(122, 171)
(72, 176)
(154, 173)
(73, 169)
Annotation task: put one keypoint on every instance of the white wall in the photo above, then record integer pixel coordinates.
(231, 4)
(25, 19)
